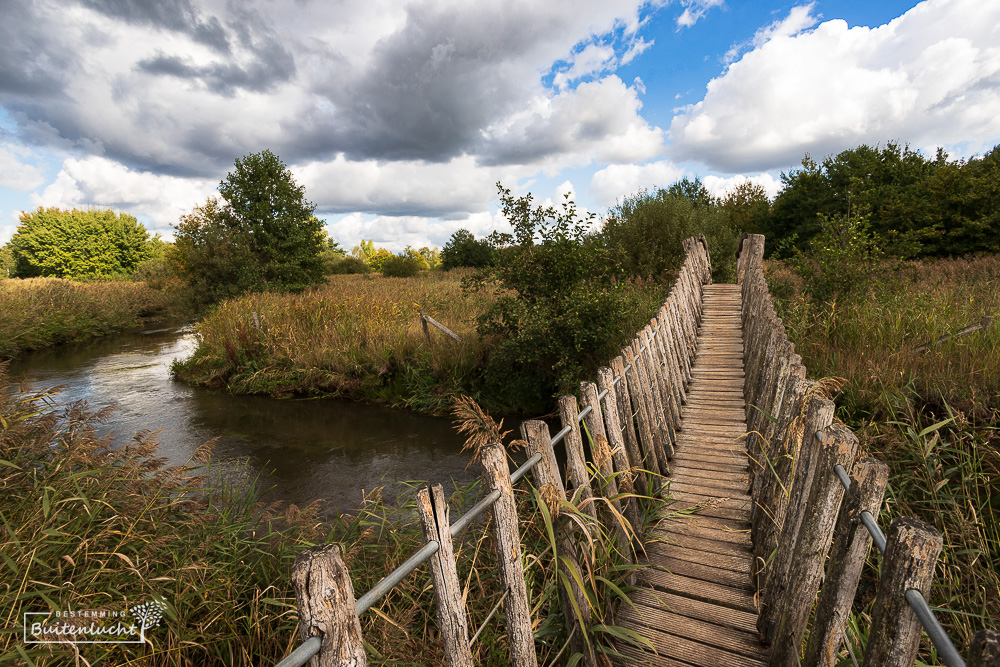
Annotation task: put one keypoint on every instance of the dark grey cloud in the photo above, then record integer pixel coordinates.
(175, 15)
(274, 65)
(29, 68)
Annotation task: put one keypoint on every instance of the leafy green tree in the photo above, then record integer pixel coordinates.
(644, 233)
(6, 261)
(262, 234)
(462, 249)
(747, 206)
(694, 191)
(94, 243)
(403, 266)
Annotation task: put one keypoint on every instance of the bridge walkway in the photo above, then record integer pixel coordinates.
(695, 601)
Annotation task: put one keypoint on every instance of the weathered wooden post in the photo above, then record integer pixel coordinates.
(577, 476)
(650, 461)
(912, 548)
(851, 543)
(985, 649)
(627, 479)
(627, 423)
(575, 606)
(325, 597)
(452, 621)
(507, 538)
(837, 445)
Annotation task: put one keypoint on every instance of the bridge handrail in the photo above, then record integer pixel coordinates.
(657, 350)
(798, 517)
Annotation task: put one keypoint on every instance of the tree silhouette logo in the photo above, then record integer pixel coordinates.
(148, 615)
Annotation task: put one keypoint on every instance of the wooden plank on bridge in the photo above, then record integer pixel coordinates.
(695, 601)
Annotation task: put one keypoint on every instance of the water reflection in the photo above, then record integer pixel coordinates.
(307, 449)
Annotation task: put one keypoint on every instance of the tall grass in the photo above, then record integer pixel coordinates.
(358, 336)
(931, 416)
(40, 312)
(88, 527)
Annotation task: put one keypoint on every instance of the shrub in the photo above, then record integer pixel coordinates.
(463, 249)
(349, 265)
(843, 258)
(402, 266)
(645, 231)
(561, 306)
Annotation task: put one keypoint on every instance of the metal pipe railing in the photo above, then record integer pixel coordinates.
(942, 642)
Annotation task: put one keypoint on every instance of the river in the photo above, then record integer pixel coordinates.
(294, 450)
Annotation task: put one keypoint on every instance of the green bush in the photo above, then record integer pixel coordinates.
(347, 265)
(463, 249)
(645, 231)
(843, 259)
(402, 266)
(561, 307)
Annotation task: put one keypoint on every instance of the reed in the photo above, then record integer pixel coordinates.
(931, 416)
(41, 312)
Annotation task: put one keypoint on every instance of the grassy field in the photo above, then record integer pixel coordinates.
(358, 337)
(41, 312)
(87, 527)
(932, 416)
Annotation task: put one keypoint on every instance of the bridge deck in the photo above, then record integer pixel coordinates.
(695, 602)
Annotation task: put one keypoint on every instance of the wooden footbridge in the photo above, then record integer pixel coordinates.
(708, 408)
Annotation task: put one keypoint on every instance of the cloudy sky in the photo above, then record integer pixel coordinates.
(400, 116)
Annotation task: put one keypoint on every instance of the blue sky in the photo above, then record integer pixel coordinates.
(399, 117)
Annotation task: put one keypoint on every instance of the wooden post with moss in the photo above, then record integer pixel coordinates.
(912, 548)
(452, 621)
(326, 605)
(507, 538)
(577, 476)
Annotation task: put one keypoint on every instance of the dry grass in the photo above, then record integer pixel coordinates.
(40, 312)
(357, 336)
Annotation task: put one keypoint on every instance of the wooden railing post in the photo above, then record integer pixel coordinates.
(818, 415)
(642, 408)
(507, 538)
(626, 478)
(452, 621)
(851, 543)
(985, 649)
(577, 476)
(325, 597)
(627, 424)
(912, 548)
(837, 445)
(572, 598)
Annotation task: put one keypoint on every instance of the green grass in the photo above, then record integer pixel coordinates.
(931, 416)
(41, 312)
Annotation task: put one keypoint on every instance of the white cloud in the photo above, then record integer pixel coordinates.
(799, 19)
(719, 187)
(157, 200)
(615, 181)
(16, 172)
(694, 10)
(930, 77)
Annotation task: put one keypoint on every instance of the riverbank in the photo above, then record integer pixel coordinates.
(37, 313)
(932, 415)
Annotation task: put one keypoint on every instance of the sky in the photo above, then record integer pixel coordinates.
(400, 118)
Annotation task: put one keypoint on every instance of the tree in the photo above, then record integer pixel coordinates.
(94, 243)
(463, 249)
(262, 235)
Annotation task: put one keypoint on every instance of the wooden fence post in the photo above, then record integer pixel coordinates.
(627, 479)
(507, 539)
(627, 423)
(650, 460)
(851, 543)
(912, 548)
(325, 597)
(837, 445)
(985, 649)
(452, 621)
(818, 414)
(548, 482)
(577, 476)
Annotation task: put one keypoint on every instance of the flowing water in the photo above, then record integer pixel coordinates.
(295, 450)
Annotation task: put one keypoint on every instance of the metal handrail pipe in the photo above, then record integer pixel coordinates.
(866, 517)
(390, 580)
(302, 653)
(947, 652)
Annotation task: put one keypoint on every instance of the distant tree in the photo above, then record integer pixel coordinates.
(462, 249)
(262, 234)
(432, 256)
(418, 258)
(6, 261)
(403, 265)
(694, 191)
(746, 206)
(93, 243)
